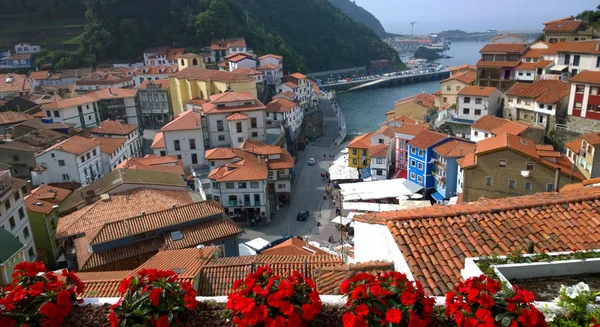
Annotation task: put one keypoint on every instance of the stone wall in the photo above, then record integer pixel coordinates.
(312, 125)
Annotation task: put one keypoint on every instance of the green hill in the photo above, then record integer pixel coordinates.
(361, 15)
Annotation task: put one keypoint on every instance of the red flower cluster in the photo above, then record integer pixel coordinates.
(38, 297)
(387, 300)
(267, 299)
(158, 294)
(479, 301)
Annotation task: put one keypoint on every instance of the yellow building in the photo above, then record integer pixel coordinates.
(358, 151)
(414, 107)
(197, 83)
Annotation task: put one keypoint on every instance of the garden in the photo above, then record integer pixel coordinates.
(38, 297)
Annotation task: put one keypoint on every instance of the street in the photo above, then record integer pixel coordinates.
(307, 192)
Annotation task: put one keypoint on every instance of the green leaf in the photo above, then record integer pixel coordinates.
(506, 321)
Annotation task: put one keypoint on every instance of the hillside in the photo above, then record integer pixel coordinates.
(312, 35)
(361, 15)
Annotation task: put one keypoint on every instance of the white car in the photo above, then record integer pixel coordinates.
(311, 161)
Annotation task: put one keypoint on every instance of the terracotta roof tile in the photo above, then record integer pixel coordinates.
(544, 147)
(482, 91)
(102, 283)
(534, 65)
(185, 121)
(574, 145)
(544, 91)
(504, 141)
(517, 48)
(159, 141)
(168, 164)
(329, 279)
(534, 53)
(161, 83)
(467, 77)
(20, 83)
(194, 73)
(270, 56)
(229, 97)
(44, 198)
(587, 76)
(362, 141)
(412, 129)
(468, 160)
(222, 44)
(462, 67)
(293, 246)
(13, 117)
(249, 168)
(389, 131)
(427, 138)
(109, 145)
(563, 26)
(498, 64)
(281, 105)
(247, 71)
(591, 138)
(260, 148)
(174, 53)
(378, 151)
(455, 148)
(206, 231)
(219, 154)
(76, 145)
(267, 67)
(297, 75)
(237, 116)
(426, 100)
(490, 227)
(113, 127)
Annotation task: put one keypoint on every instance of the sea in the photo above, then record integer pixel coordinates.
(365, 109)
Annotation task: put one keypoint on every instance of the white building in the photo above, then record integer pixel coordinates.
(380, 155)
(232, 118)
(21, 48)
(283, 110)
(241, 60)
(13, 213)
(475, 102)
(573, 57)
(183, 138)
(258, 76)
(162, 56)
(272, 67)
(298, 84)
(117, 129)
(153, 73)
(220, 48)
(113, 152)
(89, 109)
(76, 159)
(533, 71)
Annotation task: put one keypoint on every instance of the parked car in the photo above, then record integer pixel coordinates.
(302, 215)
(311, 161)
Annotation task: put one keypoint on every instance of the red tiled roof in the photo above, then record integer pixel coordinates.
(38, 75)
(504, 141)
(44, 198)
(271, 56)
(113, 127)
(427, 138)
(267, 67)
(455, 148)
(411, 129)
(426, 100)
(13, 117)
(467, 77)
(102, 283)
(229, 97)
(237, 116)
(20, 83)
(362, 141)
(219, 154)
(467, 66)
(297, 75)
(291, 85)
(517, 48)
(534, 53)
(109, 145)
(281, 105)
(194, 73)
(174, 53)
(482, 91)
(378, 151)
(574, 47)
(587, 76)
(76, 145)
(247, 71)
(534, 65)
(544, 91)
(329, 279)
(159, 141)
(436, 240)
(161, 83)
(574, 145)
(185, 121)
(293, 246)
(591, 138)
(468, 160)
(249, 168)
(167, 164)
(497, 64)
(223, 44)
(563, 26)
(232, 96)
(389, 131)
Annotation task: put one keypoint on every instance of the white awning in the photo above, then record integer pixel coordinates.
(391, 188)
(257, 243)
(339, 170)
(558, 68)
(342, 220)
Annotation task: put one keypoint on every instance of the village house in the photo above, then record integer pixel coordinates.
(162, 56)
(566, 30)
(475, 102)
(446, 168)
(570, 58)
(543, 103)
(150, 162)
(11, 118)
(158, 145)
(402, 135)
(251, 72)
(11, 254)
(24, 47)
(272, 67)
(510, 165)
(496, 68)
(491, 126)
(358, 151)
(584, 100)
(77, 159)
(414, 107)
(112, 151)
(286, 112)
(238, 60)
(381, 163)
(583, 153)
(421, 157)
(101, 80)
(219, 48)
(14, 85)
(298, 84)
(43, 206)
(118, 129)
(155, 104)
(20, 61)
(152, 73)
(449, 88)
(183, 139)
(14, 218)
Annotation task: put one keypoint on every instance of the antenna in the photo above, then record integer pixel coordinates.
(412, 27)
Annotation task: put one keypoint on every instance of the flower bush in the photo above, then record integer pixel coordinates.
(574, 302)
(152, 298)
(37, 297)
(265, 299)
(387, 300)
(480, 301)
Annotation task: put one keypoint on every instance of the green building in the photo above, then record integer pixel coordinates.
(12, 252)
(43, 206)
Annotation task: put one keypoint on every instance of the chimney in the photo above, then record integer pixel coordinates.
(556, 179)
(174, 206)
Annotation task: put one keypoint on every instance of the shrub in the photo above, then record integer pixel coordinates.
(265, 299)
(387, 300)
(479, 301)
(574, 303)
(152, 298)
(37, 297)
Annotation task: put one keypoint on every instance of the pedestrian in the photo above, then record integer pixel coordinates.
(337, 211)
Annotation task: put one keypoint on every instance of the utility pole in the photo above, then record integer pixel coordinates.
(412, 28)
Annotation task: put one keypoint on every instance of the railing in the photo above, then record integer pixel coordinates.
(571, 129)
(5, 184)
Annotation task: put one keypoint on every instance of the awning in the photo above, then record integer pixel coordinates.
(437, 196)
(558, 68)
(391, 188)
(365, 172)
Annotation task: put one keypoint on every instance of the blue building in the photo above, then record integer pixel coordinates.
(445, 167)
(23, 60)
(421, 157)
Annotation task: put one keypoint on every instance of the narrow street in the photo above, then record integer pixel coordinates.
(307, 192)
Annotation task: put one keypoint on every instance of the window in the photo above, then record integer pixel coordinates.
(253, 123)
(420, 166)
(12, 223)
(31, 253)
(229, 186)
(413, 150)
(178, 157)
(478, 101)
(475, 133)
(21, 213)
(238, 127)
(520, 74)
(66, 177)
(465, 111)
(48, 114)
(598, 62)
(449, 88)
(194, 159)
(254, 134)
(379, 161)
(379, 172)
(354, 161)
(219, 125)
(94, 152)
(528, 186)
(380, 141)
(56, 113)
(82, 158)
(256, 199)
(88, 155)
(221, 137)
(240, 139)
(579, 88)
(593, 90)
(578, 105)
(501, 163)
(413, 163)
(512, 183)
(477, 112)
(420, 153)
(26, 232)
(216, 198)
(253, 184)
(489, 180)
(420, 179)
(242, 185)
(192, 144)
(576, 59)
(445, 99)
(177, 145)
(529, 166)
(412, 175)
(467, 100)
(549, 187)
(17, 196)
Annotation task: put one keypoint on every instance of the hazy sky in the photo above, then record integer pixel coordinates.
(471, 15)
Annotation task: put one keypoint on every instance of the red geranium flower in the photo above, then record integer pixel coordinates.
(393, 316)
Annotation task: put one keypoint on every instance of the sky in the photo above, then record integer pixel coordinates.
(471, 15)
